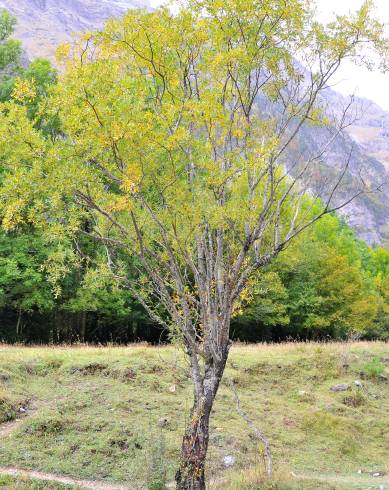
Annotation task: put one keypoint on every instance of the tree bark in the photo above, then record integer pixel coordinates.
(83, 326)
(19, 322)
(191, 473)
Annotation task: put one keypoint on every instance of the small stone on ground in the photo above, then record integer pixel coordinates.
(340, 387)
(228, 461)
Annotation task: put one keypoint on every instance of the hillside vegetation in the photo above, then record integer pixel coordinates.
(117, 415)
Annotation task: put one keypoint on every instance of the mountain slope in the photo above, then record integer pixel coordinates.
(44, 24)
(366, 139)
(368, 214)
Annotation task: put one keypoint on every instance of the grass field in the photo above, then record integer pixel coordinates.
(116, 415)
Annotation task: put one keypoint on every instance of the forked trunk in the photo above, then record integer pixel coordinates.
(191, 474)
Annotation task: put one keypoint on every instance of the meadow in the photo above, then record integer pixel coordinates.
(113, 417)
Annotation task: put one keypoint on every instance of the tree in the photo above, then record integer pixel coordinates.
(377, 265)
(27, 85)
(10, 49)
(176, 130)
(328, 296)
(23, 284)
(10, 52)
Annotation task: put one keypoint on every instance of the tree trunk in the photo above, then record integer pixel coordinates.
(191, 474)
(19, 322)
(83, 326)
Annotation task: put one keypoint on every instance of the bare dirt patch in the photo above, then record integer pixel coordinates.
(8, 428)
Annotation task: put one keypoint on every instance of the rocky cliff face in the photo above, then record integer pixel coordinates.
(44, 24)
(369, 213)
(367, 140)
